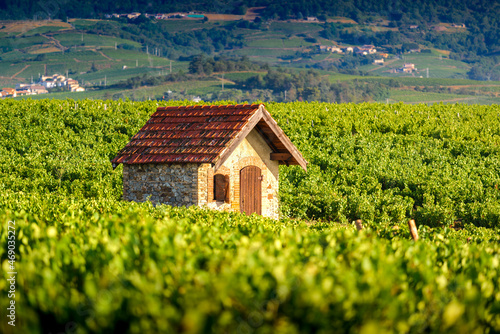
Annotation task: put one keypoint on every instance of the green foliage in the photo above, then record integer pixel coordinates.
(376, 162)
(40, 57)
(311, 86)
(91, 263)
(134, 268)
(409, 46)
(391, 162)
(203, 65)
(145, 80)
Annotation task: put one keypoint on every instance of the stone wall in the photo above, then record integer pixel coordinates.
(203, 184)
(175, 184)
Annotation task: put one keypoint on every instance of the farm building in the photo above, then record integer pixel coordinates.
(222, 157)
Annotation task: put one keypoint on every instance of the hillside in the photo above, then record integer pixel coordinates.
(103, 53)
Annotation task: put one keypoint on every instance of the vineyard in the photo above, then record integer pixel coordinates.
(88, 262)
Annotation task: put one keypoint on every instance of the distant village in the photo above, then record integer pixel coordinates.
(370, 50)
(42, 86)
(131, 16)
(361, 50)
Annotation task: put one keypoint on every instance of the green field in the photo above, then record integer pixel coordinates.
(323, 57)
(86, 258)
(241, 75)
(79, 56)
(295, 42)
(117, 73)
(185, 25)
(43, 30)
(86, 24)
(416, 97)
(346, 77)
(190, 88)
(438, 68)
(265, 52)
(88, 94)
(266, 43)
(22, 42)
(14, 55)
(142, 57)
(295, 28)
(436, 82)
(86, 261)
(8, 70)
(282, 43)
(72, 39)
(110, 63)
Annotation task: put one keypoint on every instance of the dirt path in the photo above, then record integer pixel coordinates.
(261, 48)
(270, 57)
(56, 42)
(458, 99)
(224, 17)
(385, 64)
(252, 13)
(9, 78)
(25, 67)
(226, 80)
(328, 57)
(102, 54)
(469, 86)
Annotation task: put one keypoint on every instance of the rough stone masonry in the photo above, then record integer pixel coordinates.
(172, 184)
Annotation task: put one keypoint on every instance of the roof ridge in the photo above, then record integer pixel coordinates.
(211, 106)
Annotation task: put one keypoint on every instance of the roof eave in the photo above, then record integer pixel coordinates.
(263, 114)
(278, 132)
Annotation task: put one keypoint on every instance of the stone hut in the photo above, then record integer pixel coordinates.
(223, 157)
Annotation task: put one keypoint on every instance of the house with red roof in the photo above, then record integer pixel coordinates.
(11, 92)
(222, 157)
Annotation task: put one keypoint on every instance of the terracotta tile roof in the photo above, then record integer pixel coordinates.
(197, 134)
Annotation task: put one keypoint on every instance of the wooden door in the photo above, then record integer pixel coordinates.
(250, 190)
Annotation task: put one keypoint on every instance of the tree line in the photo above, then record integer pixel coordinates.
(311, 86)
(204, 65)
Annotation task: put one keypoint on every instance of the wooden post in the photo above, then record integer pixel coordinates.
(359, 224)
(413, 229)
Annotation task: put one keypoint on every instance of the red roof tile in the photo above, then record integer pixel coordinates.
(197, 134)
